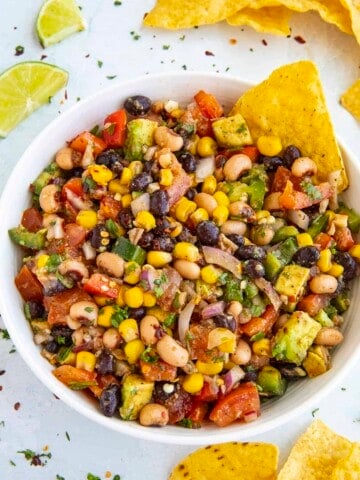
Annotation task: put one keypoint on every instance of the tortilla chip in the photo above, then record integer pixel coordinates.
(268, 19)
(351, 99)
(230, 461)
(349, 467)
(353, 6)
(315, 454)
(291, 105)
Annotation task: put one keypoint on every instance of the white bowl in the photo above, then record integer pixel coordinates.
(15, 198)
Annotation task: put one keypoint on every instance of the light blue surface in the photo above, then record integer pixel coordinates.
(42, 420)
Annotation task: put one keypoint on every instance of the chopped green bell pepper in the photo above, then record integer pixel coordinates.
(318, 225)
(285, 232)
(277, 259)
(128, 251)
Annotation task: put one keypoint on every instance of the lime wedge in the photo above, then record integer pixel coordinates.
(24, 88)
(57, 20)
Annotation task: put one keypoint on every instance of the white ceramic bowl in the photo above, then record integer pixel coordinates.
(15, 198)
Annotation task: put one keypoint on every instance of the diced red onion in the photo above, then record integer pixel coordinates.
(77, 202)
(89, 251)
(141, 203)
(233, 377)
(250, 416)
(213, 309)
(299, 218)
(223, 259)
(269, 291)
(204, 168)
(184, 320)
(148, 277)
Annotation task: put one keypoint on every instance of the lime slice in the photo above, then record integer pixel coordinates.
(24, 88)
(57, 20)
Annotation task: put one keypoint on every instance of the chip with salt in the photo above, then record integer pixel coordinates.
(351, 99)
(230, 461)
(291, 105)
(348, 468)
(315, 454)
(268, 19)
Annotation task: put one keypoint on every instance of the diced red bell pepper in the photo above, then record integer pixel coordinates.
(262, 324)
(28, 285)
(242, 400)
(115, 129)
(109, 207)
(100, 284)
(292, 199)
(209, 392)
(80, 143)
(75, 186)
(313, 303)
(282, 175)
(198, 411)
(159, 371)
(72, 376)
(209, 105)
(59, 305)
(343, 238)
(32, 219)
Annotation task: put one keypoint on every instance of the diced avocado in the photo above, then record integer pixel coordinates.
(232, 131)
(140, 134)
(291, 281)
(24, 238)
(285, 232)
(128, 251)
(323, 318)
(276, 259)
(135, 394)
(293, 339)
(318, 225)
(317, 361)
(341, 302)
(353, 217)
(49, 173)
(270, 381)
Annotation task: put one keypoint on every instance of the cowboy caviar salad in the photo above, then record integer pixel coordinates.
(179, 272)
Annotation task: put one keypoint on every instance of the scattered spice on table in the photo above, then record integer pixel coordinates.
(2, 372)
(19, 50)
(264, 42)
(35, 459)
(4, 334)
(100, 63)
(182, 38)
(17, 405)
(43, 57)
(233, 41)
(135, 35)
(87, 55)
(299, 39)
(209, 54)
(67, 436)
(111, 77)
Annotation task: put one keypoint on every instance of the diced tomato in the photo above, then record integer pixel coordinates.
(31, 219)
(159, 371)
(115, 129)
(198, 411)
(74, 185)
(109, 207)
(198, 341)
(100, 284)
(252, 152)
(282, 175)
(80, 143)
(59, 305)
(260, 324)
(242, 400)
(313, 303)
(323, 240)
(203, 124)
(209, 105)
(343, 238)
(75, 234)
(72, 376)
(292, 199)
(28, 285)
(209, 392)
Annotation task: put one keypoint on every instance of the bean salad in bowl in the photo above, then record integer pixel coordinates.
(179, 273)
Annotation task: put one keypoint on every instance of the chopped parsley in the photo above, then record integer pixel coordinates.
(169, 320)
(149, 355)
(311, 191)
(111, 77)
(100, 63)
(314, 412)
(118, 316)
(19, 50)
(4, 333)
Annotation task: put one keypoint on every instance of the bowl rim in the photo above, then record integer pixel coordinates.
(184, 436)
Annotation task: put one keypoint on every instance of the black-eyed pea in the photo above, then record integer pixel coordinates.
(154, 414)
(323, 283)
(206, 201)
(111, 263)
(234, 308)
(111, 338)
(67, 158)
(236, 166)
(242, 354)
(172, 352)
(49, 198)
(231, 227)
(303, 166)
(166, 138)
(188, 270)
(148, 326)
(84, 312)
(329, 337)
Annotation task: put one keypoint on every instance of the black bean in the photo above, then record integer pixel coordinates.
(349, 264)
(126, 218)
(145, 240)
(110, 400)
(108, 158)
(190, 194)
(291, 153)
(166, 244)
(163, 391)
(137, 105)
(35, 309)
(187, 161)
(163, 227)
(76, 172)
(247, 252)
(52, 347)
(147, 166)
(62, 335)
(237, 239)
(105, 363)
(99, 237)
(254, 269)
(137, 313)
(251, 376)
(186, 236)
(220, 160)
(225, 321)
(306, 256)
(272, 163)
(159, 203)
(207, 233)
(140, 182)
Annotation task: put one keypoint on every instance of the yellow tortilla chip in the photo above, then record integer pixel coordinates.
(349, 467)
(290, 104)
(268, 19)
(354, 8)
(351, 99)
(230, 461)
(315, 454)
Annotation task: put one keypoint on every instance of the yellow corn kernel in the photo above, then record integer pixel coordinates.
(209, 368)
(149, 299)
(184, 208)
(158, 259)
(102, 301)
(260, 214)
(120, 300)
(324, 262)
(199, 215)
(134, 297)
(126, 200)
(192, 147)
(220, 214)
(221, 198)
(136, 167)
(178, 228)
(86, 218)
(177, 113)
(304, 240)
(132, 273)
(115, 186)
(186, 251)
(129, 329)
(145, 220)
(126, 176)
(133, 350)
(336, 270)
(206, 147)
(209, 185)
(86, 360)
(210, 274)
(193, 382)
(262, 347)
(269, 145)
(104, 317)
(100, 174)
(158, 312)
(355, 251)
(229, 346)
(166, 177)
(42, 261)
(331, 216)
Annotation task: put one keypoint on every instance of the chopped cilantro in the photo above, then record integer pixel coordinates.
(53, 263)
(2, 423)
(188, 423)
(117, 3)
(19, 50)
(117, 477)
(95, 130)
(49, 99)
(5, 334)
(311, 191)
(135, 35)
(88, 183)
(111, 77)
(12, 463)
(118, 316)
(182, 38)
(242, 128)
(159, 282)
(67, 436)
(314, 412)
(59, 477)
(60, 340)
(184, 67)
(149, 355)
(89, 309)
(35, 458)
(169, 320)
(91, 476)
(63, 353)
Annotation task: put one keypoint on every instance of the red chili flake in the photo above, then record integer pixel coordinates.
(43, 57)
(2, 372)
(66, 95)
(233, 41)
(57, 398)
(209, 54)
(17, 405)
(264, 42)
(1, 387)
(87, 56)
(299, 39)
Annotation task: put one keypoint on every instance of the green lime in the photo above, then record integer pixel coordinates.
(24, 88)
(57, 20)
